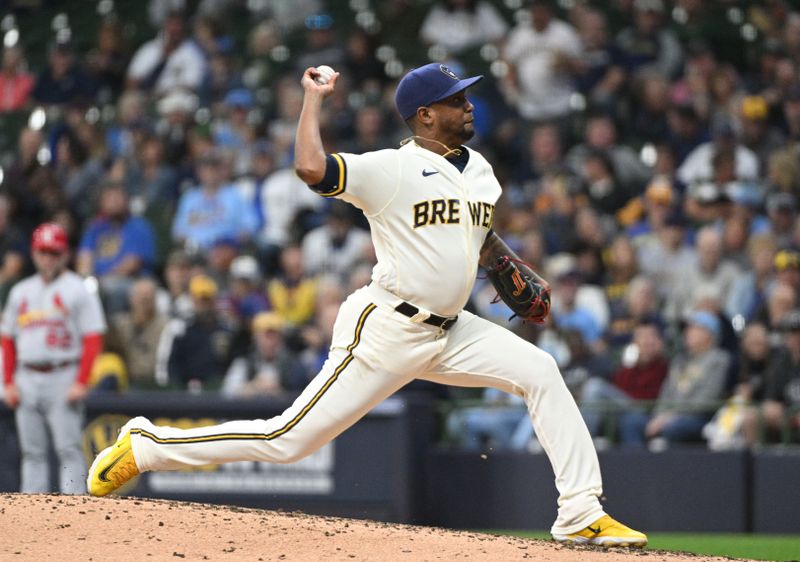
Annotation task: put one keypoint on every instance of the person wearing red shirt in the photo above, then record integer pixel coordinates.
(640, 380)
(15, 83)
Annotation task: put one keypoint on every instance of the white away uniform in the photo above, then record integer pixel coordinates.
(48, 322)
(428, 223)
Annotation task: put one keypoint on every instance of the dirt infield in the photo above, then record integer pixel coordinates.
(67, 528)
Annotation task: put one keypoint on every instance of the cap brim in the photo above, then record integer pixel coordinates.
(458, 87)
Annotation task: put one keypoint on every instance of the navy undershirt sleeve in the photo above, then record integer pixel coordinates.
(332, 182)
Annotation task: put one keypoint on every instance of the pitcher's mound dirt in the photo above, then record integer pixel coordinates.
(67, 528)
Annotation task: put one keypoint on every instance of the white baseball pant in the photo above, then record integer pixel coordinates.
(43, 409)
(376, 351)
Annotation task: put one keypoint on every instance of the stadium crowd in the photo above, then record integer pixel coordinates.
(648, 152)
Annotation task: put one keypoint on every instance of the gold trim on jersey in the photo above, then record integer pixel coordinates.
(342, 177)
(293, 422)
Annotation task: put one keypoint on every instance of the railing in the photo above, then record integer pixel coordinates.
(789, 432)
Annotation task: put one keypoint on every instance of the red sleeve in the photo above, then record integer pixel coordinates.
(9, 359)
(92, 346)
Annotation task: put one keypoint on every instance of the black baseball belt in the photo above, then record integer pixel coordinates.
(443, 322)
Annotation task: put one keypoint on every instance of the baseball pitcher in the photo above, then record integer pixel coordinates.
(52, 331)
(430, 205)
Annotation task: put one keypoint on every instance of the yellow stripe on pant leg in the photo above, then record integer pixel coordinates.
(294, 421)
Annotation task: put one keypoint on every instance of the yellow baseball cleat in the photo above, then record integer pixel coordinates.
(606, 532)
(113, 467)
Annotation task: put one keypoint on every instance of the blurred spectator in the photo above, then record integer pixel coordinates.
(754, 361)
(174, 301)
(245, 297)
(316, 337)
(707, 203)
(22, 181)
(283, 126)
(541, 165)
(290, 14)
(543, 55)
(223, 76)
(644, 368)
(268, 369)
(212, 210)
(651, 121)
(116, 247)
(725, 100)
(593, 232)
(193, 354)
(137, 334)
(602, 73)
(734, 238)
(782, 214)
(621, 268)
(496, 424)
(641, 303)
(556, 205)
(293, 294)
(757, 133)
(108, 59)
(176, 110)
(152, 185)
(649, 44)
(698, 164)
(16, 82)
(281, 197)
(218, 258)
(783, 170)
(656, 205)
(13, 250)
(234, 133)
(791, 111)
(363, 68)
(336, 246)
(130, 121)
(781, 298)
(584, 361)
(781, 408)
(749, 291)
(79, 172)
(709, 299)
(685, 131)
(208, 29)
(568, 311)
(695, 381)
(711, 270)
(260, 68)
(170, 61)
(748, 200)
(604, 192)
(600, 135)
(458, 25)
(369, 131)
(321, 45)
(63, 81)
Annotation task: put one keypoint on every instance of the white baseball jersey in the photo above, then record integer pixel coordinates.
(48, 320)
(428, 220)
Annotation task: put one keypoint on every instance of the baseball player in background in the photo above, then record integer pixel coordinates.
(430, 206)
(51, 332)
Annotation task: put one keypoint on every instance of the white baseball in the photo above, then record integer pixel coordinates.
(325, 74)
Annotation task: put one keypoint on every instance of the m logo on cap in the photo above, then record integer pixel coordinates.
(449, 72)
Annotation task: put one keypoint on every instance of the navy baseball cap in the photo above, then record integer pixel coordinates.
(426, 85)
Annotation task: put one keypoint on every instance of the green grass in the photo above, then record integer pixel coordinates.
(758, 547)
